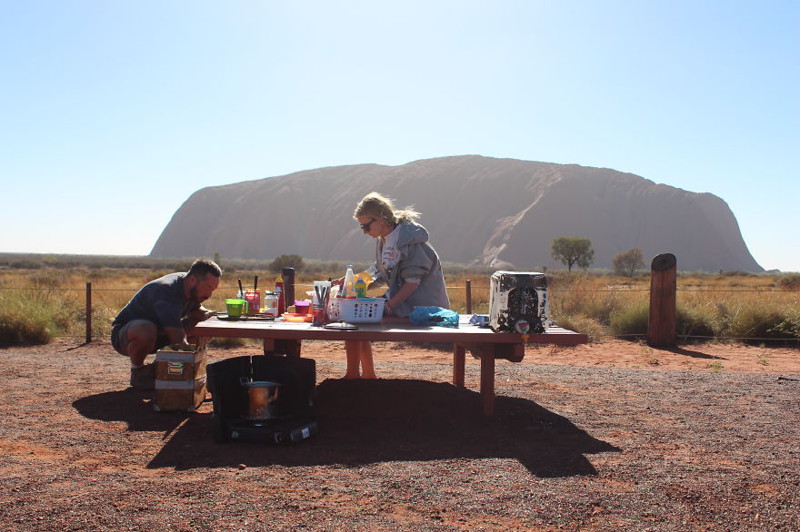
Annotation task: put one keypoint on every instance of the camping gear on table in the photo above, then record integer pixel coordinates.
(434, 316)
(180, 383)
(263, 398)
(518, 302)
(368, 310)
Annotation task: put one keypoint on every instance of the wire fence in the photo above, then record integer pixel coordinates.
(96, 306)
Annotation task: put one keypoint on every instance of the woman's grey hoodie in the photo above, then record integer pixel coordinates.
(417, 260)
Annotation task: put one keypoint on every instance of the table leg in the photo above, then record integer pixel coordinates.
(273, 346)
(459, 352)
(487, 381)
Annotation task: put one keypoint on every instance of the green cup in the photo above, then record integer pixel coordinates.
(235, 308)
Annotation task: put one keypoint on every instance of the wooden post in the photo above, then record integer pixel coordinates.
(469, 296)
(288, 286)
(661, 324)
(88, 312)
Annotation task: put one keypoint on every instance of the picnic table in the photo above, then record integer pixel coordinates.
(285, 338)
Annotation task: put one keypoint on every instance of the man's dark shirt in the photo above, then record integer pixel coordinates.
(160, 301)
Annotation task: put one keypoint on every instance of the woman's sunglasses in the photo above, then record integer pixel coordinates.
(365, 227)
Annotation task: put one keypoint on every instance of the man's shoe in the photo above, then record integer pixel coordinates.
(144, 378)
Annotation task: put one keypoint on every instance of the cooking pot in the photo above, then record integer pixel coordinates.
(262, 396)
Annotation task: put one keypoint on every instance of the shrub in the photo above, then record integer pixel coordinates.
(766, 322)
(790, 281)
(693, 322)
(585, 325)
(626, 264)
(19, 328)
(286, 261)
(631, 321)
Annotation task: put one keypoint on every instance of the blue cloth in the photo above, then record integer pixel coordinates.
(434, 316)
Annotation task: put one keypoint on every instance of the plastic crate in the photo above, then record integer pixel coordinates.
(367, 310)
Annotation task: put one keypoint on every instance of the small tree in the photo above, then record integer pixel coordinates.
(573, 251)
(287, 261)
(627, 263)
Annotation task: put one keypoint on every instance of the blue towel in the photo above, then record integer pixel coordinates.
(434, 316)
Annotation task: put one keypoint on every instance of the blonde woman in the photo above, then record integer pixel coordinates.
(404, 261)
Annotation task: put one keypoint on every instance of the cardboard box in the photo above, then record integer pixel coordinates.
(180, 380)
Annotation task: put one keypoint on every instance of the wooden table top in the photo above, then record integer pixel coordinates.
(392, 330)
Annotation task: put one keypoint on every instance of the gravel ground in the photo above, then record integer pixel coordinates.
(573, 446)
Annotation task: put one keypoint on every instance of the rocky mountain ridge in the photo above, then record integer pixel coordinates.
(501, 213)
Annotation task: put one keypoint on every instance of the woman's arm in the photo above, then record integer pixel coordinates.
(402, 294)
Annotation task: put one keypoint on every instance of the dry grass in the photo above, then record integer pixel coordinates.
(52, 301)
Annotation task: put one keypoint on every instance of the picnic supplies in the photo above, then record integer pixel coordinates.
(349, 284)
(369, 310)
(361, 288)
(180, 379)
(319, 301)
(518, 302)
(235, 308)
(253, 298)
(270, 305)
(279, 292)
(481, 320)
(434, 316)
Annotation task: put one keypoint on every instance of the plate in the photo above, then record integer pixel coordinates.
(246, 317)
(341, 326)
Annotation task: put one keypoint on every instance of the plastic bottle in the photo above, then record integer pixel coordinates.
(279, 293)
(369, 275)
(361, 288)
(349, 285)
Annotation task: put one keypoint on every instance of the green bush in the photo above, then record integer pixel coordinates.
(603, 308)
(694, 322)
(584, 325)
(766, 322)
(19, 328)
(35, 317)
(631, 321)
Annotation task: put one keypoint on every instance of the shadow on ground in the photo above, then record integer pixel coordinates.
(693, 354)
(362, 422)
(131, 406)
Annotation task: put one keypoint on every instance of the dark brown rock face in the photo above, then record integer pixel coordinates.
(479, 210)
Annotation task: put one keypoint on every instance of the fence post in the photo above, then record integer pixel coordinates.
(469, 296)
(661, 322)
(88, 312)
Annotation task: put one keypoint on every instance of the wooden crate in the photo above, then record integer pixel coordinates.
(180, 380)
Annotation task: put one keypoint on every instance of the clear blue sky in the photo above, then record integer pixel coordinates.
(112, 113)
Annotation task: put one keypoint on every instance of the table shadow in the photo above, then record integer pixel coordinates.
(387, 420)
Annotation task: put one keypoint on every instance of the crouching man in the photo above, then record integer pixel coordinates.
(160, 314)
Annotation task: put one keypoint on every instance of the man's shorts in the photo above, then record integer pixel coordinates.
(119, 335)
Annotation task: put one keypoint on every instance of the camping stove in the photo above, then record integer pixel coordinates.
(518, 302)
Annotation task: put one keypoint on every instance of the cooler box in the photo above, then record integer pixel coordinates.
(518, 302)
(180, 379)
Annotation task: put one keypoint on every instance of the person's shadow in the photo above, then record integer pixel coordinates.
(131, 406)
(363, 421)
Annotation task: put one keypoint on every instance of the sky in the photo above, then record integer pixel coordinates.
(112, 113)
